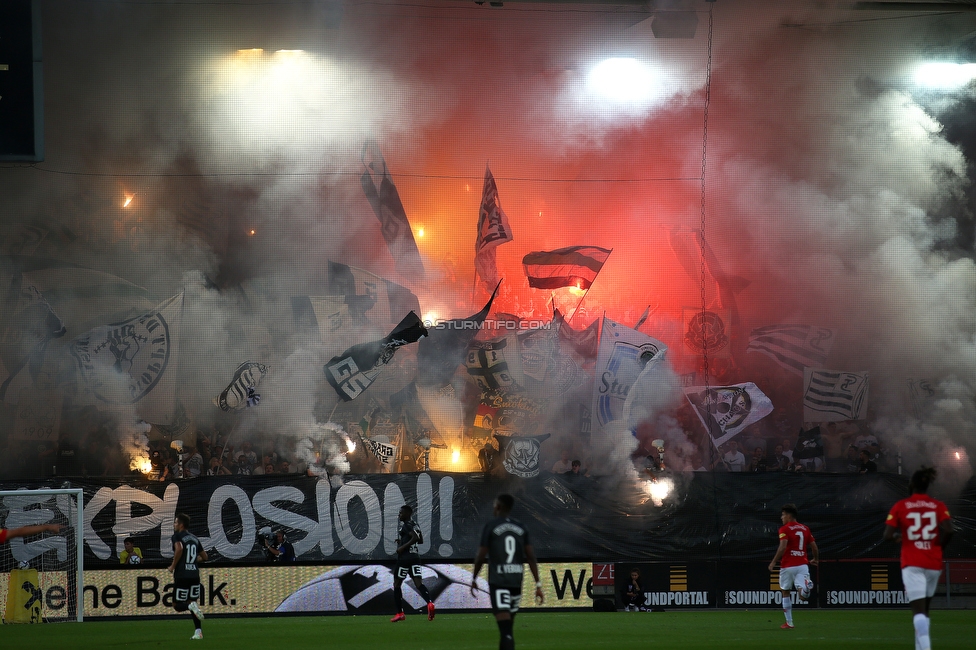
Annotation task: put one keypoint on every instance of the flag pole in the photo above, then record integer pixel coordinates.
(583, 297)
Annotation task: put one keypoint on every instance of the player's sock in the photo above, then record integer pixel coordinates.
(507, 638)
(422, 590)
(196, 621)
(788, 609)
(398, 598)
(921, 622)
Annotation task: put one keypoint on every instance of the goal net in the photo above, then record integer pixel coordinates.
(41, 576)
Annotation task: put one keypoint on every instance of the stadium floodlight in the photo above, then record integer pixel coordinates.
(623, 81)
(52, 566)
(944, 75)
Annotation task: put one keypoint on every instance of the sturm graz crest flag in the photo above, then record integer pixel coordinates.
(355, 369)
(520, 454)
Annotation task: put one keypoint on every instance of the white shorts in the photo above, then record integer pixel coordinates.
(919, 583)
(794, 577)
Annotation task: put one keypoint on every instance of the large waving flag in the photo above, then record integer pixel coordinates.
(27, 327)
(583, 342)
(727, 410)
(720, 288)
(134, 362)
(353, 297)
(493, 231)
(794, 347)
(832, 396)
(439, 355)
(386, 204)
(624, 353)
(573, 266)
(352, 372)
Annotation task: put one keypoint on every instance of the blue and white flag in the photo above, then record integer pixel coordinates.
(833, 396)
(623, 354)
(794, 347)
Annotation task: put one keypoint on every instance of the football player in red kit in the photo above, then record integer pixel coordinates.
(923, 526)
(792, 557)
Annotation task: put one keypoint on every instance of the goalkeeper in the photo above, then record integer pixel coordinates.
(25, 531)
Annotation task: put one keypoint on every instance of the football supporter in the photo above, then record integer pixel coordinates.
(633, 593)
(923, 526)
(505, 544)
(132, 553)
(187, 554)
(7, 534)
(408, 564)
(792, 557)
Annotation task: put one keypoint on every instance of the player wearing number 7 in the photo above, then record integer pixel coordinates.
(185, 567)
(792, 558)
(505, 543)
(924, 527)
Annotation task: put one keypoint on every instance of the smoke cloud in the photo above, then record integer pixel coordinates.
(831, 187)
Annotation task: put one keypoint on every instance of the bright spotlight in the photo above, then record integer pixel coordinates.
(623, 81)
(944, 75)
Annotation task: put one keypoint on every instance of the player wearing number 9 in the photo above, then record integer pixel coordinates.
(185, 567)
(923, 526)
(505, 544)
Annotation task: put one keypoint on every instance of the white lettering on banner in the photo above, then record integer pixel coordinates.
(163, 511)
(673, 598)
(218, 536)
(760, 598)
(374, 517)
(425, 510)
(392, 502)
(263, 503)
(98, 503)
(333, 514)
(22, 514)
(866, 598)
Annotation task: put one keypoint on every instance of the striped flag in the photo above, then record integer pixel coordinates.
(573, 266)
(794, 347)
(832, 396)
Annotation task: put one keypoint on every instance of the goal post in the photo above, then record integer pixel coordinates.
(42, 577)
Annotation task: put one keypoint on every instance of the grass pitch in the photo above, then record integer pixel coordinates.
(533, 631)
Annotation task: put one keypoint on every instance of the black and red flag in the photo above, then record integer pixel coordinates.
(573, 266)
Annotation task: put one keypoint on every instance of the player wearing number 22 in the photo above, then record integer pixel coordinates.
(924, 527)
(505, 544)
(792, 557)
(185, 567)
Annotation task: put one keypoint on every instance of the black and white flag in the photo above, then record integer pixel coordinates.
(241, 391)
(383, 451)
(520, 454)
(794, 347)
(832, 396)
(354, 370)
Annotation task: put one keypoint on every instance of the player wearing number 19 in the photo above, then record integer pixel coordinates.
(187, 554)
(505, 543)
(923, 526)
